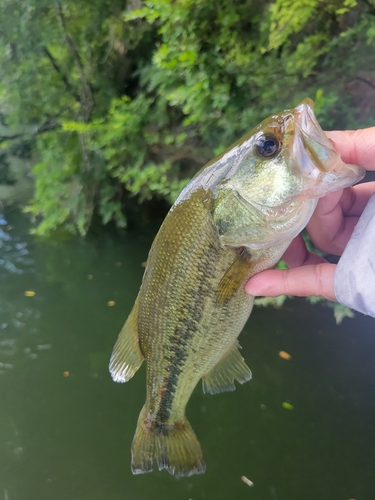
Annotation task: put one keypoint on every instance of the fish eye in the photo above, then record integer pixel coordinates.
(267, 146)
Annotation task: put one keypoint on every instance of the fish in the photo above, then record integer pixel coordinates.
(235, 218)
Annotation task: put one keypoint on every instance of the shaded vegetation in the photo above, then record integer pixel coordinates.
(126, 100)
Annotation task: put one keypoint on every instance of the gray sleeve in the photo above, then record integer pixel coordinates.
(355, 273)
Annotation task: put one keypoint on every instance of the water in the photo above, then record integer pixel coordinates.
(66, 428)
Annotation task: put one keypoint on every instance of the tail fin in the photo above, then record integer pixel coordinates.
(176, 449)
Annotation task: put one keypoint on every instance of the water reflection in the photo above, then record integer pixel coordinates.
(12, 250)
(66, 428)
(18, 318)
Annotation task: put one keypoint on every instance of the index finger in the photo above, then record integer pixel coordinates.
(355, 146)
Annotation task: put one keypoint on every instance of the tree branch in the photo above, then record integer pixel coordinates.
(363, 80)
(62, 75)
(87, 99)
(44, 127)
(4, 138)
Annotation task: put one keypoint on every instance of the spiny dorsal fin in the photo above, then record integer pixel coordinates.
(127, 356)
(231, 367)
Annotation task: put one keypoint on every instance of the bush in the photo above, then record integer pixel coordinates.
(123, 99)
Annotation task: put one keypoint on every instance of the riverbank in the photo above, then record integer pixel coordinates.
(21, 190)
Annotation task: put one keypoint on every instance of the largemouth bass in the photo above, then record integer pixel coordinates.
(234, 219)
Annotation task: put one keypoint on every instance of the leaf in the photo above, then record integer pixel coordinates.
(287, 406)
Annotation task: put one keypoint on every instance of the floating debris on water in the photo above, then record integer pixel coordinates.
(29, 293)
(287, 406)
(111, 303)
(285, 355)
(65, 374)
(90, 276)
(43, 347)
(247, 481)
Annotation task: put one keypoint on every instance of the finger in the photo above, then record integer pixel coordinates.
(329, 229)
(354, 199)
(301, 281)
(297, 254)
(335, 216)
(355, 146)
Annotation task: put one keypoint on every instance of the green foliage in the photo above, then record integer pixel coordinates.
(339, 311)
(126, 100)
(123, 101)
(288, 17)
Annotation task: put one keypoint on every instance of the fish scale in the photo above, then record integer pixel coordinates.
(234, 219)
(188, 313)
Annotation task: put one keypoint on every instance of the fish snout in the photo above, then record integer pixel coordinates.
(316, 157)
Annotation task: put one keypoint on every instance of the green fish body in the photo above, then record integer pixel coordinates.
(234, 219)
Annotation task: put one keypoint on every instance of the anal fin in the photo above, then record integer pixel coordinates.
(231, 367)
(126, 355)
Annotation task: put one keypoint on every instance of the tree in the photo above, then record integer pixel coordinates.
(123, 99)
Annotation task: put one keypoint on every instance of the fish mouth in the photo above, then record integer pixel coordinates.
(316, 157)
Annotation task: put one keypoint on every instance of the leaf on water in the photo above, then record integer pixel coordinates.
(29, 293)
(90, 276)
(111, 303)
(285, 355)
(287, 406)
(65, 374)
(118, 264)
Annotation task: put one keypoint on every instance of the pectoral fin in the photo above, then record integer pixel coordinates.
(127, 356)
(235, 276)
(231, 367)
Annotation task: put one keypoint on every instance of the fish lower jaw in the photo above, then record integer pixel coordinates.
(335, 181)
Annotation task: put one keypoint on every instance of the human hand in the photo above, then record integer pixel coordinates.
(330, 228)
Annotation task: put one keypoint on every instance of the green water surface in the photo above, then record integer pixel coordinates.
(66, 428)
